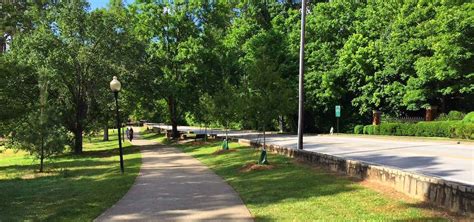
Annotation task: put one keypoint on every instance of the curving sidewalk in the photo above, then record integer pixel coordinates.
(173, 186)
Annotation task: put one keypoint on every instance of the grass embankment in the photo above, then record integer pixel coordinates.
(296, 192)
(72, 188)
(150, 135)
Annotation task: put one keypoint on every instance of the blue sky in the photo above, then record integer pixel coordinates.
(102, 3)
(98, 3)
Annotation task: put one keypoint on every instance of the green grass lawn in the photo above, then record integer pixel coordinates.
(73, 187)
(149, 135)
(298, 192)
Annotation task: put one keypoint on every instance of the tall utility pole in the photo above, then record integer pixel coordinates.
(301, 78)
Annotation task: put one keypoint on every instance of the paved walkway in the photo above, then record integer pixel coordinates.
(173, 186)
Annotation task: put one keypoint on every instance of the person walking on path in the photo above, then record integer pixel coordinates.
(174, 186)
(130, 134)
(127, 132)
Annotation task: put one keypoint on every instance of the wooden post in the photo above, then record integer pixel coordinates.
(431, 113)
(376, 117)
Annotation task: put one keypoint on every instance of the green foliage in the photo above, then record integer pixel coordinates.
(78, 51)
(453, 129)
(40, 133)
(176, 58)
(452, 115)
(265, 95)
(469, 118)
(463, 130)
(359, 129)
(40, 139)
(371, 129)
(434, 129)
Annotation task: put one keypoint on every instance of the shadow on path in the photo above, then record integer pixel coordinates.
(173, 186)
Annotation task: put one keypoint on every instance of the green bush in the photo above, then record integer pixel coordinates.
(406, 129)
(371, 130)
(469, 118)
(359, 129)
(434, 129)
(454, 129)
(462, 130)
(389, 128)
(376, 130)
(452, 115)
(366, 129)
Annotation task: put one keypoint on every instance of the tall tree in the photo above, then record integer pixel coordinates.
(265, 94)
(41, 133)
(173, 47)
(78, 47)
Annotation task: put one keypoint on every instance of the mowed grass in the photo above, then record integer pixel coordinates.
(72, 188)
(298, 192)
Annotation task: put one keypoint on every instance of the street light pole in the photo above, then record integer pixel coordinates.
(301, 78)
(115, 86)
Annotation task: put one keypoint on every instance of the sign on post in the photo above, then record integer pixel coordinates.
(338, 111)
(338, 114)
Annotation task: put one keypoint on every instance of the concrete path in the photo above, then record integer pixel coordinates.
(441, 158)
(173, 186)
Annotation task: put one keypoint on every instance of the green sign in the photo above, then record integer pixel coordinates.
(338, 111)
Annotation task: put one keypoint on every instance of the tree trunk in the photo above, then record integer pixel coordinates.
(443, 104)
(174, 129)
(281, 123)
(42, 154)
(226, 131)
(81, 110)
(106, 133)
(174, 118)
(78, 139)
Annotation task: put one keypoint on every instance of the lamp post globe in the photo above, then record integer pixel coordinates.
(115, 86)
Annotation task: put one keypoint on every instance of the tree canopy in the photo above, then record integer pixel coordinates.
(236, 63)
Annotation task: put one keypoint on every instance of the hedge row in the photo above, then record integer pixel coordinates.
(453, 129)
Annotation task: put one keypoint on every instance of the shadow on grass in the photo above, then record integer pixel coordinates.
(290, 185)
(252, 185)
(74, 187)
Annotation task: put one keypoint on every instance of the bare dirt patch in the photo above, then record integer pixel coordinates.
(394, 194)
(255, 167)
(200, 143)
(221, 151)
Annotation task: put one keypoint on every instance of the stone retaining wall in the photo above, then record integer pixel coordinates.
(453, 196)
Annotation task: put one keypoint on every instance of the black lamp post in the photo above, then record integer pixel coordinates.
(115, 86)
(301, 78)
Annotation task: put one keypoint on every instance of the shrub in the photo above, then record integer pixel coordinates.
(434, 129)
(371, 130)
(462, 130)
(376, 130)
(454, 129)
(452, 115)
(389, 128)
(366, 129)
(407, 129)
(469, 118)
(359, 129)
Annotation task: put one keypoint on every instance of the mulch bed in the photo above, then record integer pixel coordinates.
(255, 167)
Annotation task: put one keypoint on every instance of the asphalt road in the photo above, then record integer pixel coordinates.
(445, 159)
